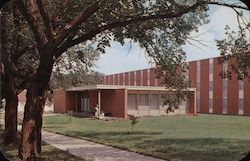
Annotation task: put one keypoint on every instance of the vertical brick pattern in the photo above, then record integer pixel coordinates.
(126, 79)
(246, 97)
(132, 79)
(121, 79)
(111, 77)
(141, 79)
(204, 86)
(152, 77)
(138, 78)
(217, 88)
(192, 73)
(145, 77)
(116, 79)
(233, 92)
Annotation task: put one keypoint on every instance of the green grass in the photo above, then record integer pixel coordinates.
(49, 153)
(193, 138)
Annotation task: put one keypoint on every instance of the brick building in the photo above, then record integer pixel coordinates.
(139, 92)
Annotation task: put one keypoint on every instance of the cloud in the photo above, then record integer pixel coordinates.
(116, 59)
(215, 29)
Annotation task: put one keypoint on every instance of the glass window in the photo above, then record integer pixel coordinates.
(225, 84)
(143, 100)
(241, 85)
(132, 102)
(210, 86)
(154, 101)
(241, 104)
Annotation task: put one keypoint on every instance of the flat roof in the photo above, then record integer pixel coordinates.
(99, 86)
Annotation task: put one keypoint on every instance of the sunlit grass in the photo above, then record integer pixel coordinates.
(194, 138)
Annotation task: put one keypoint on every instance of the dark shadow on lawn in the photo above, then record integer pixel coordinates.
(113, 134)
(117, 138)
(197, 149)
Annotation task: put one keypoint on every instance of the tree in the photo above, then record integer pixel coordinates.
(14, 48)
(73, 68)
(236, 46)
(57, 28)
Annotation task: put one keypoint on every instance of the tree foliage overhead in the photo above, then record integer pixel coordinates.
(73, 68)
(236, 46)
(159, 26)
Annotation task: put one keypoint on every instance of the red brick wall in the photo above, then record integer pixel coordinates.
(70, 101)
(121, 79)
(191, 101)
(145, 77)
(217, 88)
(126, 79)
(152, 77)
(138, 78)
(247, 97)
(132, 79)
(114, 101)
(233, 92)
(59, 100)
(192, 73)
(204, 86)
(116, 79)
(111, 77)
(93, 100)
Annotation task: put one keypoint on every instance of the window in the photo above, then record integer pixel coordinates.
(143, 100)
(154, 101)
(241, 85)
(210, 86)
(132, 102)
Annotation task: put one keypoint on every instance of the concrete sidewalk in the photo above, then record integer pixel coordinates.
(93, 151)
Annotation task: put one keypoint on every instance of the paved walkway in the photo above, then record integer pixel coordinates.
(93, 151)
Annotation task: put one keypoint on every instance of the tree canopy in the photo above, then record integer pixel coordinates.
(160, 27)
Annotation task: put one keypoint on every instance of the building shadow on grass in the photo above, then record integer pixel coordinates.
(123, 136)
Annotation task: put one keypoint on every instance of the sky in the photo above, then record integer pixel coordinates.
(131, 57)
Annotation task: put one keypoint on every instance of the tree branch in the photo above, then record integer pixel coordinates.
(29, 13)
(57, 13)
(74, 25)
(227, 5)
(130, 20)
(46, 19)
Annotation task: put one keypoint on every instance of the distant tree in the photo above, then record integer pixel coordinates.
(158, 26)
(236, 46)
(73, 68)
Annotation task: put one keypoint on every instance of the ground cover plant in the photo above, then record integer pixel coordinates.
(194, 138)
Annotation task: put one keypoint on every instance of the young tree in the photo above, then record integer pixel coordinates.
(60, 25)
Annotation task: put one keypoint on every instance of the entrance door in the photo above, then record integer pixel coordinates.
(85, 104)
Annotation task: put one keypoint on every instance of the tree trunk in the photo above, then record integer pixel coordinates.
(11, 99)
(11, 120)
(32, 122)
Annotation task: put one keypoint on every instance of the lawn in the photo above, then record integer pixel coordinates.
(193, 138)
(49, 153)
